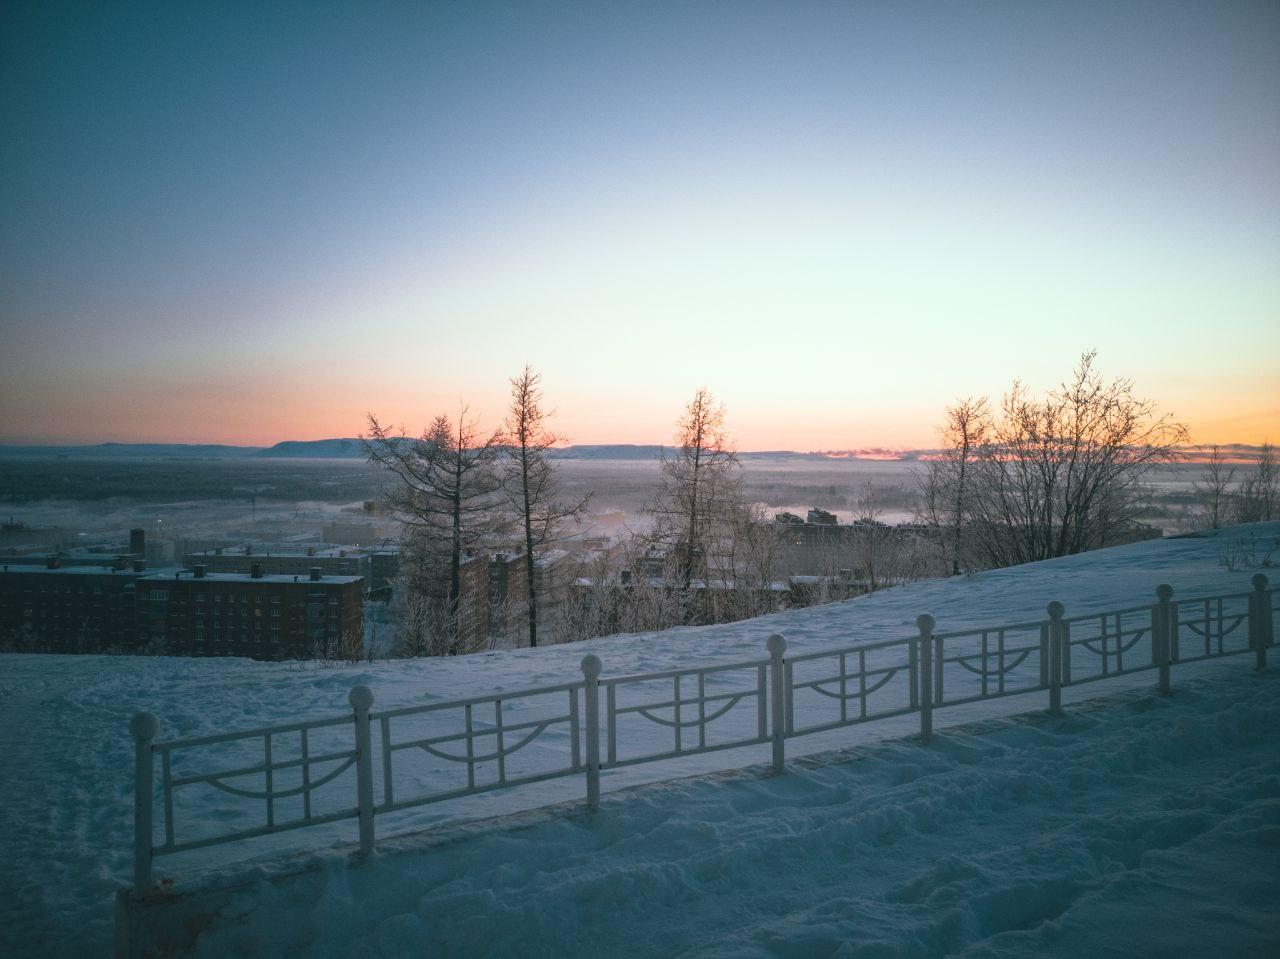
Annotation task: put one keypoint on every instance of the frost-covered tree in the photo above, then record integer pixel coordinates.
(446, 492)
(699, 489)
(948, 479)
(1258, 496)
(1214, 490)
(531, 485)
(1065, 473)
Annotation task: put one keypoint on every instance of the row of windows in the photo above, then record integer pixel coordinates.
(275, 628)
(162, 596)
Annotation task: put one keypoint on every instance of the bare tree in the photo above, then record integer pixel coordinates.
(1215, 491)
(347, 648)
(531, 485)
(700, 486)
(754, 560)
(1064, 474)
(948, 478)
(424, 624)
(447, 495)
(1258, 496)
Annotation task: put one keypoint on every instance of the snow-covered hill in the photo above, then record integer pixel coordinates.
(932, 850)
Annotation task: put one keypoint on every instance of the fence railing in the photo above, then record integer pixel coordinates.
(309, 773)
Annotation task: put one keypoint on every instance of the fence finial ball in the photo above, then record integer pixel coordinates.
(1164, 592)
(1260, 581)
(1056, 609)
(925, 623)
(360, 697)
(591, 666)
(144, 726)
(776, 644)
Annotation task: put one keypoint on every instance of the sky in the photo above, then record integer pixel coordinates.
(243, 222)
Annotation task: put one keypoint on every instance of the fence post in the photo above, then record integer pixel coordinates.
(926, 623)
(591, 668)
(913, 669)
(1044, 655)
(1161, 619)
(1066, 654)
(361, 699)
(777, 645)
(1056, 609)
(1260, 620)
(144, 727)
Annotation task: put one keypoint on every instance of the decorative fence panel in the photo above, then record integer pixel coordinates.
(850, 686)
(706, 709)
(989, 663)
(327, 770)
(484, 746)
(1209, 627)
(1103, 645)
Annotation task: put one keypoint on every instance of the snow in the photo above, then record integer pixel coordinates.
(1022, 835)
(1160, 817)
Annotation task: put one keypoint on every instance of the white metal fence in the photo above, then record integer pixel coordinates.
(322, 771)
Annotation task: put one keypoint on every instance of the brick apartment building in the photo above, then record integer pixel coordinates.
(182, 612)
(258, 614)
(508, 593)
(68, 609)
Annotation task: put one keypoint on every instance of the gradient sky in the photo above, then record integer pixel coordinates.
(250, 222)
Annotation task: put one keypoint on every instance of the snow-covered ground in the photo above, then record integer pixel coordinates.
(1140, 826)
(1030, 836)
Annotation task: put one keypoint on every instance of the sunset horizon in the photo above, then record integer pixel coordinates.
(241, 226)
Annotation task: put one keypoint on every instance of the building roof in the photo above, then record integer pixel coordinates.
(185, 575)
(282, 551)
(96, 570)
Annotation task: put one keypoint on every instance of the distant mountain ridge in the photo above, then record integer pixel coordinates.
(337, 448)
(353, 448)
(185, 451)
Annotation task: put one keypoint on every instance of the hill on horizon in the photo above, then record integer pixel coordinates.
(336, 448)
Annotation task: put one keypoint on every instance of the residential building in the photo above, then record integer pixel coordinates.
(68, 609)
(258, 614)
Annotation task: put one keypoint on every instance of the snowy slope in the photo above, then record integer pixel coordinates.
(66, 789)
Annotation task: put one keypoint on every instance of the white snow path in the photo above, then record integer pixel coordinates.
(65, 792)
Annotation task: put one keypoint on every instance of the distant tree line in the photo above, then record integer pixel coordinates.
(1025, 479)
(1223, 499)
(708, 555)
